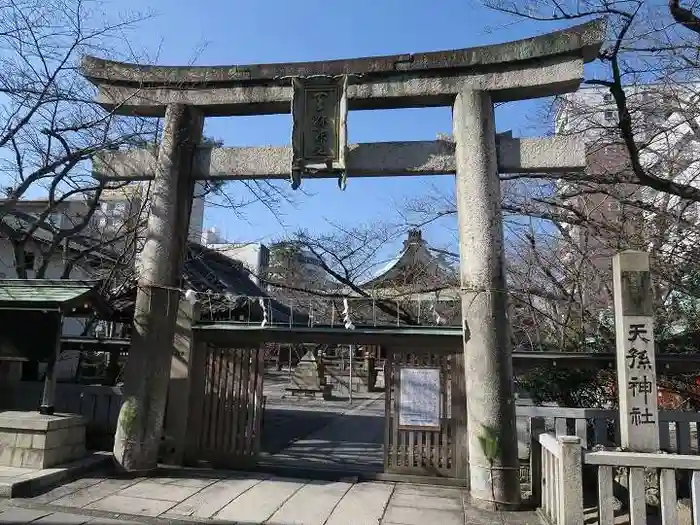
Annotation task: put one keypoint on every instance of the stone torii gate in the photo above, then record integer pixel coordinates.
(319, 94)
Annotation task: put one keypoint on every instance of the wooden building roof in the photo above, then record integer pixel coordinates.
(70, 297)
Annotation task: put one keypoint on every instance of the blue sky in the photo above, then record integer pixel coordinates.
(236, 32)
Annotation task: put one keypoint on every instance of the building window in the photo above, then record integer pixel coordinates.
(609, 115)
(607, 98)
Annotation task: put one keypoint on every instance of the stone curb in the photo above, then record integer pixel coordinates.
(125, 518)
(43, 479)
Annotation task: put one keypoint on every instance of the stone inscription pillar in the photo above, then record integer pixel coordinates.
(147, 375)
(636, 357)
(487, 354)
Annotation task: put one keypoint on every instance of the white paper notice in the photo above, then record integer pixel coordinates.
(419, 397)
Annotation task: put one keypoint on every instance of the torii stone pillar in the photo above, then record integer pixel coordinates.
(487, 355)
(148, 368)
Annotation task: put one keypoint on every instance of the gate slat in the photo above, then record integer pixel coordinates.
(206, 408)
(395, 363)
(236, 407)
(429, 456)
(260, 375)
(444, 424)
(216, 399)
(231, 405)
(243, 404)
(252, 388)
(388, 427)
(221, 400)
(403, 442)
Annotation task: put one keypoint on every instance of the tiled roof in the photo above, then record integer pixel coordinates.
(230, 291)
(45, 293)
(206, 271)
(417, 265)
(19, 221)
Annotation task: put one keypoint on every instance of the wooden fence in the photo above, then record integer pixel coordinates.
(226, 404)
(416, 451)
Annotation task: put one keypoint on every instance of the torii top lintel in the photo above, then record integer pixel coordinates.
(539, 66)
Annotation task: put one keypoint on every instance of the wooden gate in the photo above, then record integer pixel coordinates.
(226, 406)
(435, 452)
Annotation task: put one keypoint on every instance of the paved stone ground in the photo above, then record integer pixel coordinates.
(283, 426)
(312, 433)
(353, 439)
(249, 499)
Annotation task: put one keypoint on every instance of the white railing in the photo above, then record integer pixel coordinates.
(678, 433)
(667, 466)
(561, 481)
(559, 491)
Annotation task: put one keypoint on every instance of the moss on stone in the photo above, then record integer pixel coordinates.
(128, 415)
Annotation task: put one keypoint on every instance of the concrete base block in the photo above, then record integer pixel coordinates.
(38, 441)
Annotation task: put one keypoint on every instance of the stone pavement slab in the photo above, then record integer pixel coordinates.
(312, 504)
(158, 491)
(259, 503)
(18, 515)
(420, 516)
(62, 518)
(207, 502)
(363, 504)
(109, 521)
(131, 505)
(93, 493)
(427, 490)
(65, 490)
(198, 483)
(408, 509)
(427, 502)
(12, 513)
